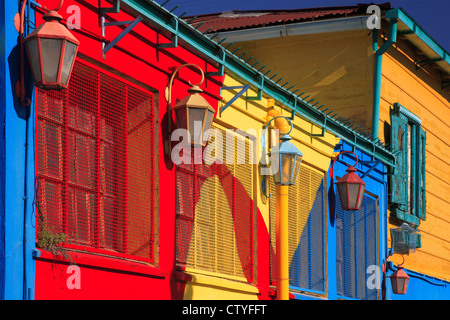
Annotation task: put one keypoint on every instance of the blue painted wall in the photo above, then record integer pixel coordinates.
(2, 149)
(16, 168)
(420, 287)
(376, 185)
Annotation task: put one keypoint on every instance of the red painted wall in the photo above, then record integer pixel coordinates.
(135, 57)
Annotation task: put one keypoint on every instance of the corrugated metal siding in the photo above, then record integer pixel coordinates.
(237, 19)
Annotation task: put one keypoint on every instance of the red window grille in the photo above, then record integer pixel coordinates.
(95, 163)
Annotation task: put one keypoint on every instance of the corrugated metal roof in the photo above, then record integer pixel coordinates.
(237, 19)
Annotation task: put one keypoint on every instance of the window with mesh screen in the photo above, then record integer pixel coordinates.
(306, 232)
(215, 210)
(356, 249)
(95, 163)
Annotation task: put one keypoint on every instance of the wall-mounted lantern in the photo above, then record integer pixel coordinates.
(285, 162)
(399, 278)
(51, 51)
(289, 159)
(404, 239)
(399, 281)
(350, 187)
(285, 157)
(193, 113)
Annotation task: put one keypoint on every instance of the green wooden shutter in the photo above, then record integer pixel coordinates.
(399, 180)
(421, 198)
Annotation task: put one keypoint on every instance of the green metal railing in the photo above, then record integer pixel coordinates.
(163, 21)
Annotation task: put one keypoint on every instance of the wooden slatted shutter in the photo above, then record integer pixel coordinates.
(399, 181)
(421, 196)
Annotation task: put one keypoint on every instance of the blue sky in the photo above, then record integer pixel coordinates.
(431, 15)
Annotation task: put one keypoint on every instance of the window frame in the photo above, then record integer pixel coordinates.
(348, 263)
(294, 192)
(100, 140)
(408, 181)
(195, 174)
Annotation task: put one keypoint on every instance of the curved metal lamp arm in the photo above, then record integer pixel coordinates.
(168, 96)
(387, 259)
(169, 88)
(332, 167)
(263, 138)
(57, 8)
(263, 145)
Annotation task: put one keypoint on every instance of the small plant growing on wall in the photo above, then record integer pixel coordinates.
(51, 240)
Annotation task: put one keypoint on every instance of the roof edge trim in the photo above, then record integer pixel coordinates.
(295, 29)
(161, 19)
(417, 30)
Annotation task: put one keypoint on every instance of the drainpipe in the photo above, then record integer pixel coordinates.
(377, 72)
(281, 221)
(29, 176)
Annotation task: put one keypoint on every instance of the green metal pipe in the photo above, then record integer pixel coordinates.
(377, 72)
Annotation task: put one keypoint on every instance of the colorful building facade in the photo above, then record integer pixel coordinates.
(96, 205)
(392, 82)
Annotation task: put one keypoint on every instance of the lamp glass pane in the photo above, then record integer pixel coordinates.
(287, 162)
(69, 58)
(361, 195)
(342, 190)
(400, 284)
(208, 122)
(353, 193)
(275, 167)
(33, 55)
(394, 285)
(196, 116)
(181, 118)
(298, 162)
(51, 53)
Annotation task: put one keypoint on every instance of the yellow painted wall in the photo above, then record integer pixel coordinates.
(250, 114)
(247, 115)
(420, 92)
(205, 287)
(335, 68)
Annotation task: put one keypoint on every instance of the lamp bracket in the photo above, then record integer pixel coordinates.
(221, 68)
(240, 93)
(260, 88)
(322, 134)
(174, 41)
(377, 162)
(131, 24)
(336, 158)
(264, 184)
